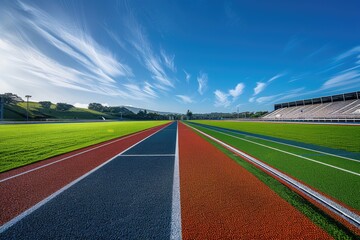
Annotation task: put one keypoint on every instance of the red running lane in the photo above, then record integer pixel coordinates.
(222, 200)
(22, 192)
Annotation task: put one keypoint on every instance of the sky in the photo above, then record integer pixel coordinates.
(164, 55)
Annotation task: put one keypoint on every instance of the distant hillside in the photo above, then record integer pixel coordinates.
(38, 112)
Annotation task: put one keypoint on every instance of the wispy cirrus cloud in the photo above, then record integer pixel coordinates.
(202, 82)
(281, 96)
(154, 63)
(73, 41)
(279, 75)
(169, 60)
(223, 99)
(27, 45)
(342, 79)
(184, 99)
(353, 51)
(140, 92)
(261, 86)
(187, 76)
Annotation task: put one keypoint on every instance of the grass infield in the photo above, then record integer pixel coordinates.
(344, 137)
(22, 144)
(316, 215)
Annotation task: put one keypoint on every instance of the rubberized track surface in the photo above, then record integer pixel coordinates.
(124, 189)
(131, 197)
(220, 199)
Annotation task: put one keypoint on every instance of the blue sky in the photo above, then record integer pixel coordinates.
(206, 56)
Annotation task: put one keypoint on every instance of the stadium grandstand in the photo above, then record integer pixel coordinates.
(337, 108)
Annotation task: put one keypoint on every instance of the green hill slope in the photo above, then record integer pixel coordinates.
(38, 112)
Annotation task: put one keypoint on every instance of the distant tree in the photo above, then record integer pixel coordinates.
(96, 107)
(45, 104)
(10, 98)
(63, 106)
(189, 114)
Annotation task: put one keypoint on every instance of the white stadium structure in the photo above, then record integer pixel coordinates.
(338, 108)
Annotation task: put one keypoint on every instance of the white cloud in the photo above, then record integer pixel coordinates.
(27, 43)
(342, 79)
(267, 98)
(168, 60)
(74, 42)
(202, 81)
(237, 91)
(187, 76)
(221, 99)
(153, 63)
(140, 92)
(260, 86)
(184, 99)
(252, 99)
(355, 50)
(224, 99)
(81, 105)
(275, 77)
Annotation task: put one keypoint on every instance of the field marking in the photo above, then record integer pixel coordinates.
(27, 212)
(341, 211)
(289, 153)
(74, 155)
(287, 144)
(148, 155)
(175, 233)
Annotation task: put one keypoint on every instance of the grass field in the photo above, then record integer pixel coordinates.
(334, 176)
(332, 136)
(21, 144)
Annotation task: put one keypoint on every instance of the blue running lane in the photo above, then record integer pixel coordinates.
(128, 198)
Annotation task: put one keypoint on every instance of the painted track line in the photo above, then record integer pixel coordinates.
(77, 154)
(175, 233)
(339, 210)
(27, 212)
(289, 153)
(286, 144)
(148, 155)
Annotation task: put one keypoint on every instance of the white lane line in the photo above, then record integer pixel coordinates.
(287, 144)
(27, 212)
(289, 153)
(68, 157)
(175, 233)
(341, 211)
(148, 155)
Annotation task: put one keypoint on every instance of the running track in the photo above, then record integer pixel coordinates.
(136, 194)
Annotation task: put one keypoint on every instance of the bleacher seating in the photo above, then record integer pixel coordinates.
(339, 109)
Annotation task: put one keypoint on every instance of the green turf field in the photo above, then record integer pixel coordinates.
(335, 176)
(21, 144)
(319, 217)
(333, 136)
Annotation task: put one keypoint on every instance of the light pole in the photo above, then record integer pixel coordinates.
(27, 107)
(2, 107)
